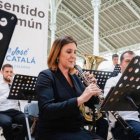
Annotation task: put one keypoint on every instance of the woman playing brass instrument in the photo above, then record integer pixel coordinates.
(61, 93)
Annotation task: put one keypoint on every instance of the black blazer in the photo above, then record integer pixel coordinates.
(57, 101)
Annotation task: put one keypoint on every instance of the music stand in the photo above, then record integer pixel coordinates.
(116, 70)
(23, 88)
(125, 96)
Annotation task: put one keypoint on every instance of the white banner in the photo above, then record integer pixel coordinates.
(28, 47)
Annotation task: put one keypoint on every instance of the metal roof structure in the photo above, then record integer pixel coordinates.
(119, 24)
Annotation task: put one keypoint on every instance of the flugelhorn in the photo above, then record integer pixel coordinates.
(87, 82)
(82, 107)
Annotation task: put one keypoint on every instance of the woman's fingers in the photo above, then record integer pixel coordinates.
(90, 77)
(95, 90)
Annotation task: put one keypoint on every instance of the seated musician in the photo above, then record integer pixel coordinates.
(61, 93)
(115, 59)
(9, 109)
(131, 117)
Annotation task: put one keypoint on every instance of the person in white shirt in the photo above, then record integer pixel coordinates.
(131, 117)
(115, 59)
(109, 65)
(9, 109)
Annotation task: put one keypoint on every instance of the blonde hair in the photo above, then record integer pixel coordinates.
(56, 49)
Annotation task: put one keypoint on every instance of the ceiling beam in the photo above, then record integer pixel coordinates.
(133, 7)
(75, 20)
(120, 29)
(80, 23)
(103, 43)
(83, 17)
(134, 48)
(58, 2)
(80, 20)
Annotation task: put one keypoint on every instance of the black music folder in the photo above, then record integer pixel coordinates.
(127, 88)
(23, 88)
(7, 26)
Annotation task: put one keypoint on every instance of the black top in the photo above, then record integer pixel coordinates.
(58, 110)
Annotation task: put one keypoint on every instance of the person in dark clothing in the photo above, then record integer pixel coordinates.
(61, 93)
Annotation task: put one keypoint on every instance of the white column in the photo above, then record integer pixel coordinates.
(53, 30)
(53, 19)
(96, 6)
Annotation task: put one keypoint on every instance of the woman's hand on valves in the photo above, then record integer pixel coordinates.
(90, 77)
(91, 90)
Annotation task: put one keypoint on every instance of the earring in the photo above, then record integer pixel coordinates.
(57, 60)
